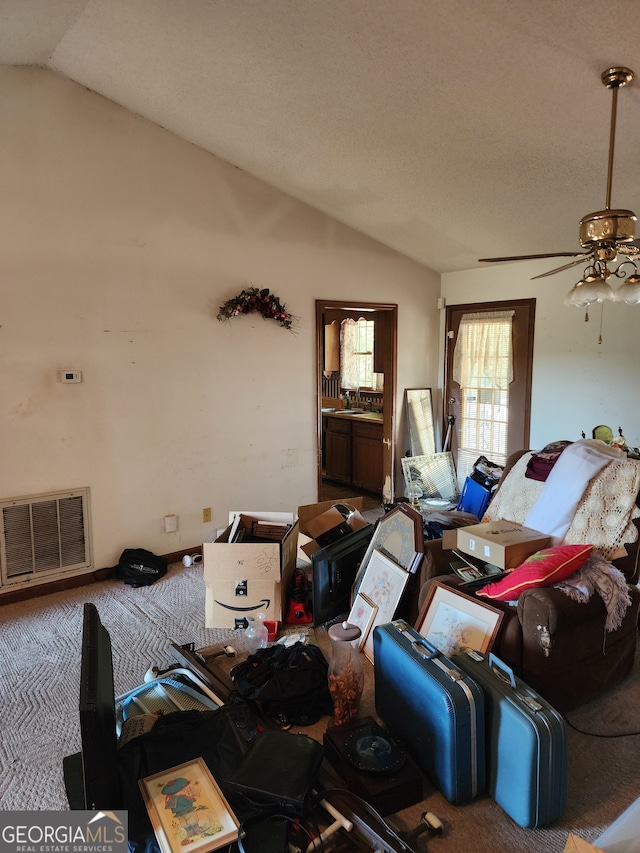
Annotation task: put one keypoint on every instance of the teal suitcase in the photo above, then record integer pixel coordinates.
(434, 707)
(526, 743)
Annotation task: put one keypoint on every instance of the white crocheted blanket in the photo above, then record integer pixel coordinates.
(603, 517)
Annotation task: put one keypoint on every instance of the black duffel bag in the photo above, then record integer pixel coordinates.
(286, 683)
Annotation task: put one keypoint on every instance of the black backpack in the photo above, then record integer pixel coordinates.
(289, 684)
(139, 567)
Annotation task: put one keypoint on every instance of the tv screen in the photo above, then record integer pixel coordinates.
(91, 776)
(333, 571)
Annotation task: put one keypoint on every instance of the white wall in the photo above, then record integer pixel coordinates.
(577, 382)
(118, 242)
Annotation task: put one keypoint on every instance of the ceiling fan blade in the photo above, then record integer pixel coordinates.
(531, 257)
(580, 260)
(632, 248)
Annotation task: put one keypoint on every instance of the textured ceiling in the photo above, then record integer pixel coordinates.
(446, 129)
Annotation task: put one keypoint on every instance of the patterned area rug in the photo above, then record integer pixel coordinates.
(40, 642)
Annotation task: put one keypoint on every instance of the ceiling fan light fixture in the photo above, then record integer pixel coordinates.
(629, 291)
(597, 290)
(575, 297)
(604, 234)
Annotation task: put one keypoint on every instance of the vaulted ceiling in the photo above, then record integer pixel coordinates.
(446, 129)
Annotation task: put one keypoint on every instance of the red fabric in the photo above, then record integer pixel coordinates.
(540, 464)
(544, 568)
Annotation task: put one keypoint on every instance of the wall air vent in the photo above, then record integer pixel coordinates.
(44, 536)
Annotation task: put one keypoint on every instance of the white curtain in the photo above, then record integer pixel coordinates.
(483, 368)
(483, 356)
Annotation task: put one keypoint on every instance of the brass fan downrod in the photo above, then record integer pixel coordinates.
(602, 229)
(614, 79)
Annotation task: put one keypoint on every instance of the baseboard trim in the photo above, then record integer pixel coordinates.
(10, 596)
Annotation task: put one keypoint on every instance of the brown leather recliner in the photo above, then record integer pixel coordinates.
(558, 646)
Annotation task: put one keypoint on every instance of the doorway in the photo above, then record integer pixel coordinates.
(384, 351)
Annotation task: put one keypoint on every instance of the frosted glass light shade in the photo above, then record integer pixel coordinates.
(596, 290)
(629, 291)
(575, 297)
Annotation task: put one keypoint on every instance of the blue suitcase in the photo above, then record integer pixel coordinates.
(433, 706)
(526, 748)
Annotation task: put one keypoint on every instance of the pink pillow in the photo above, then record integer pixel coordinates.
(544, 568)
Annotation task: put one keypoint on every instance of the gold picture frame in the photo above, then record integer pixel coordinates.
(453, 621)
(187, 809)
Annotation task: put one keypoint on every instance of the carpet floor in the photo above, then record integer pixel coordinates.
(40, 643)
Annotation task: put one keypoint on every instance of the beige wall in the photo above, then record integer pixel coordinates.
(118, 242)
(577, 382)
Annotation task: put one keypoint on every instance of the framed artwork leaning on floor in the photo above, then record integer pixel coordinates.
(187, 809)
(382, 584)
(453, 621)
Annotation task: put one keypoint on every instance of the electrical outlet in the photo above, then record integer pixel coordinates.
(206, 515)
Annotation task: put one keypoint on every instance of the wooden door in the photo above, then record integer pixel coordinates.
(505, 428)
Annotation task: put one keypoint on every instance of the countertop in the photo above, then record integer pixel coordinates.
(360, 416)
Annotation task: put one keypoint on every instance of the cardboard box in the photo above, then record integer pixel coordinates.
(245, 578)
(502, 543)
(324, 524)
(575, 844)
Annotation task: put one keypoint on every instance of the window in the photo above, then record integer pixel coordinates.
(356, 356)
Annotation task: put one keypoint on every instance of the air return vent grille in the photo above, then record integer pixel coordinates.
(44, 535)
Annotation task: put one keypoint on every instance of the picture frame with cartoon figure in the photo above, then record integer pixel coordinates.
(187, 809)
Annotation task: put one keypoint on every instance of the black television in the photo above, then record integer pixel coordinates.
(333, 572)
(91, 776)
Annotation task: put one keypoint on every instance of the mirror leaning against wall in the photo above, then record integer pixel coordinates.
(419, 408)
(430, 478)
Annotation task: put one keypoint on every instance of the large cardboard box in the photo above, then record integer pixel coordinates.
(502, 543)
(246, 578)
(323, 524)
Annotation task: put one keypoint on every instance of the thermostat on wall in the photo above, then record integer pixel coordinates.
(70, 375)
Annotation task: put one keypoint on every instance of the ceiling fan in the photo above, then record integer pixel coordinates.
(603, 235)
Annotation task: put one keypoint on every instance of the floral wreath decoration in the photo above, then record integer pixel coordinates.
(251, 300)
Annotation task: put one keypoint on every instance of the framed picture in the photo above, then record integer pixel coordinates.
(383, 584)
(453, 621)
(188, 811)
(362, 614)
(432, 476)
(398, 534)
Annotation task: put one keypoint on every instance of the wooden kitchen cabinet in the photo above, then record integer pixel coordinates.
(352, 452)
(366, 455)
(338, 450)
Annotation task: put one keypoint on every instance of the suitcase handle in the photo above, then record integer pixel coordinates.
(501, 670)
(421, 646)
